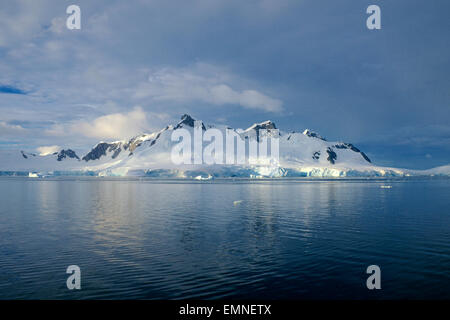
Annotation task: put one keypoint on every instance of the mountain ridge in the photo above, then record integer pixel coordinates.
(304, 153)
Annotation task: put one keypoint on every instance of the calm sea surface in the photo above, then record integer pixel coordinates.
(149, 239)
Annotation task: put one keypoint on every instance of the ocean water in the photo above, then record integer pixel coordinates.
(281, 239)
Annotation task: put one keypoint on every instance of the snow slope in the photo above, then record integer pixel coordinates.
(302, 154)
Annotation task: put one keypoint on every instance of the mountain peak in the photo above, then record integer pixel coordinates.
(313, 134)
(152, 152)
(265, 125)
(262, 125)
(187, 120)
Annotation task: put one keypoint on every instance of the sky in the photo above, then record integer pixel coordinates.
(138, 65)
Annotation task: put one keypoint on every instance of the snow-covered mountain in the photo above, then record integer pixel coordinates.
(301, 154)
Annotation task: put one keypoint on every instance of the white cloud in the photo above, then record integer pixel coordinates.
(46, 150)
(204, 83)
(6, 128)
(113, 126)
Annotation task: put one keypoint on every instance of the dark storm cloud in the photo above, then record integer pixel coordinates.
(299, 63)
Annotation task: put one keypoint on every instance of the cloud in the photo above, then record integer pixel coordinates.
(20, 20)
(7, 128)
(276, 54)
(46, 150)
(113, 126)
(204, 83)
(251, 99)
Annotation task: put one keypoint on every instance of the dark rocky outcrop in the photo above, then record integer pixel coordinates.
(67, 154)
(266, 125)
(313, 134)
(332, 156)
(100, 150)
(26, 155)
(188, 121)
(350, 146)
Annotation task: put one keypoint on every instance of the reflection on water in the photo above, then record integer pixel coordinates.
(168, 239)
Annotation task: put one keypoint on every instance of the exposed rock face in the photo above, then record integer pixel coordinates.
(332, 156)
(26, 155)
(100, 150)
(188, 121)
(365, 157)
(137, 141)
(353, 148)
(133, 144)
(266, 125)
(67, 154)
(306, 148)
(313, 134)
(263, 125)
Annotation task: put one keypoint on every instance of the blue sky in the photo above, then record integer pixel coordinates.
(138, 65)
